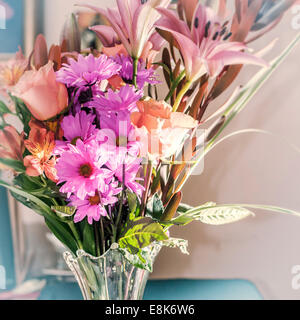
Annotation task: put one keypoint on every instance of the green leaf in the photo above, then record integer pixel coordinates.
(220, 215)
(28, 183)
(172, 207)
(140, 233)
(62, 233)
(88, 242)
(17, 165)
(22, 112)
(29, 197)
(213, 214)
(64, 212)
(182, 208)
(144, 259)
(184, 218)
(133, 203)
(29, 204)
(177, 243)
(155, 207)
(59, 228)
(3, 108)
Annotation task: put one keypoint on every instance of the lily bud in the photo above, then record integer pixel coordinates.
(70, 37)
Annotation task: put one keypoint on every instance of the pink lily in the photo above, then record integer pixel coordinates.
(204, 47)
(133, 21)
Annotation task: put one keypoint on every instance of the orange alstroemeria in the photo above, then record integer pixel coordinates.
(160, 130)
(40, 144)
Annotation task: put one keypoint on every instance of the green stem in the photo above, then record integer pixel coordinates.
(147, 187)
(97, 241)
(44, 181)
(75, 233)
(181, 94)
(102, 237)
(121, 202)
(175, 85)
(135, 71)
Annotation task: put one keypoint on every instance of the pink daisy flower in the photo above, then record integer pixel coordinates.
(123, 100)
(93, 207)
(87, 71)
(127, 167)
(76, 127)
(81, 170)
(118, 133)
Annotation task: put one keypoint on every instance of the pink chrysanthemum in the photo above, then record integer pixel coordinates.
(123, 100)
(127, 168)
(118, 134)
(76, 127)
(126, 72)
(81, 170)
(93, 207)
(87, 71)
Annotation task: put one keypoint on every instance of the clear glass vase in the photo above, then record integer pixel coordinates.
(110, 276)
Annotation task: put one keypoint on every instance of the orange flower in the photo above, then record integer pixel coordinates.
(41, 145)
(43, 95)
(160, 130)
(11, 144)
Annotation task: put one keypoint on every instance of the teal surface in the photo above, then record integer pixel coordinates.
(169, 290)
(201, 290)
(6, 246)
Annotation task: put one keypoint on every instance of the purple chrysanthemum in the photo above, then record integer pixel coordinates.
(81, 170)
(123, 100)
(76, 127)
(92, 207)
(144, 75)
(87, 71)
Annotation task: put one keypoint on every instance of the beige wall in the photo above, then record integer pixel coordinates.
(246, 169)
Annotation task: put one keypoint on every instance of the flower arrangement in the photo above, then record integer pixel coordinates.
(103, 156)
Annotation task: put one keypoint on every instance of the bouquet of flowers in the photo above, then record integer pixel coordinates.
(103, 155)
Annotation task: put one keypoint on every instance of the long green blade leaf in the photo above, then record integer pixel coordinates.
(28, 196)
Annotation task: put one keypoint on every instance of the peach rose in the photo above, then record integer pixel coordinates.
(43, 95)
(160, 130)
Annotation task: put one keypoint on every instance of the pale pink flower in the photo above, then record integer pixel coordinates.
(204, 47)
(133, 21)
